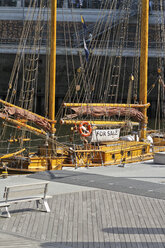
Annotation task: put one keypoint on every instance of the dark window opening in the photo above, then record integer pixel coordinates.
(128, 153)
(113, 156)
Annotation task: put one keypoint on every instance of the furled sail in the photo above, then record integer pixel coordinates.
(27, 115)
(98, 111)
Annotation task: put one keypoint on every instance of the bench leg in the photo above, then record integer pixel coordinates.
(37, 203)
(46, 206)
(7, 211)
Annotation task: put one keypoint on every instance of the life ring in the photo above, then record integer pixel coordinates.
(85, 129)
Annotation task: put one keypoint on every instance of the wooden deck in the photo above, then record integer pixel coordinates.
(87, 219)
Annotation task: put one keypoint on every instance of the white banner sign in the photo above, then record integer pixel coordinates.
(101, 135)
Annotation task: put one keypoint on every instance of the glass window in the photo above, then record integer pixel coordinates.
(8, 3)
(37, 2)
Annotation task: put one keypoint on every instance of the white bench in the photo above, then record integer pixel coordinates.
(25, 193)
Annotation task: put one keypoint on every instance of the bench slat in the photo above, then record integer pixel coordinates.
(27, 185)
(23, 193)
(4, 204)
(28, 199)
(18, 191)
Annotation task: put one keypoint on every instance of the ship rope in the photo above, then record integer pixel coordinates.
(160, 47)
(99, 78)
(12, 88)
(22, 90)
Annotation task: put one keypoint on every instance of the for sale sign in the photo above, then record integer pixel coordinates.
(102, 135)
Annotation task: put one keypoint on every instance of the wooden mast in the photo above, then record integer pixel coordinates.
(144, 65)
(53, 63)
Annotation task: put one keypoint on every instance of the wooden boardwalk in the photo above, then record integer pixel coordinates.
(88, 219)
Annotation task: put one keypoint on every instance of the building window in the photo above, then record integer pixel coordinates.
(35, 3)
(10, 3)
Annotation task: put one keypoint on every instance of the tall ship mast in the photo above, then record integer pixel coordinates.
(144, 66)
(53, 62)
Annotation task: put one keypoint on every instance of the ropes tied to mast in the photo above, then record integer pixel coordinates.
(22, 89)
(99, 79)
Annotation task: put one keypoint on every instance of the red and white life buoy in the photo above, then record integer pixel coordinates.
(85, 129)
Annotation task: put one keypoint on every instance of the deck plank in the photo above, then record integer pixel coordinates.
(89, 219)
(130, 222)
(26, 221)
(70, 221)
(61, 219)
(155, 223)
(134, 223)
(143, 222)
(99, 219)
(94, 218)
(75, 222)
(84, 219)
(56, 211)
(80, 221)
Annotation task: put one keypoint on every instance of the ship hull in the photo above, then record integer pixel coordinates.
(110, 153)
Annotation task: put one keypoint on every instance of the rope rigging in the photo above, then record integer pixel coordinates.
(22, 89)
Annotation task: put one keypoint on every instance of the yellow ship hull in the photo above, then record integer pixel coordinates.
(159, 141)
(112, 153)
(106, 154)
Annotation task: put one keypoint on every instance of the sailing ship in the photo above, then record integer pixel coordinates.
(94, 127)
